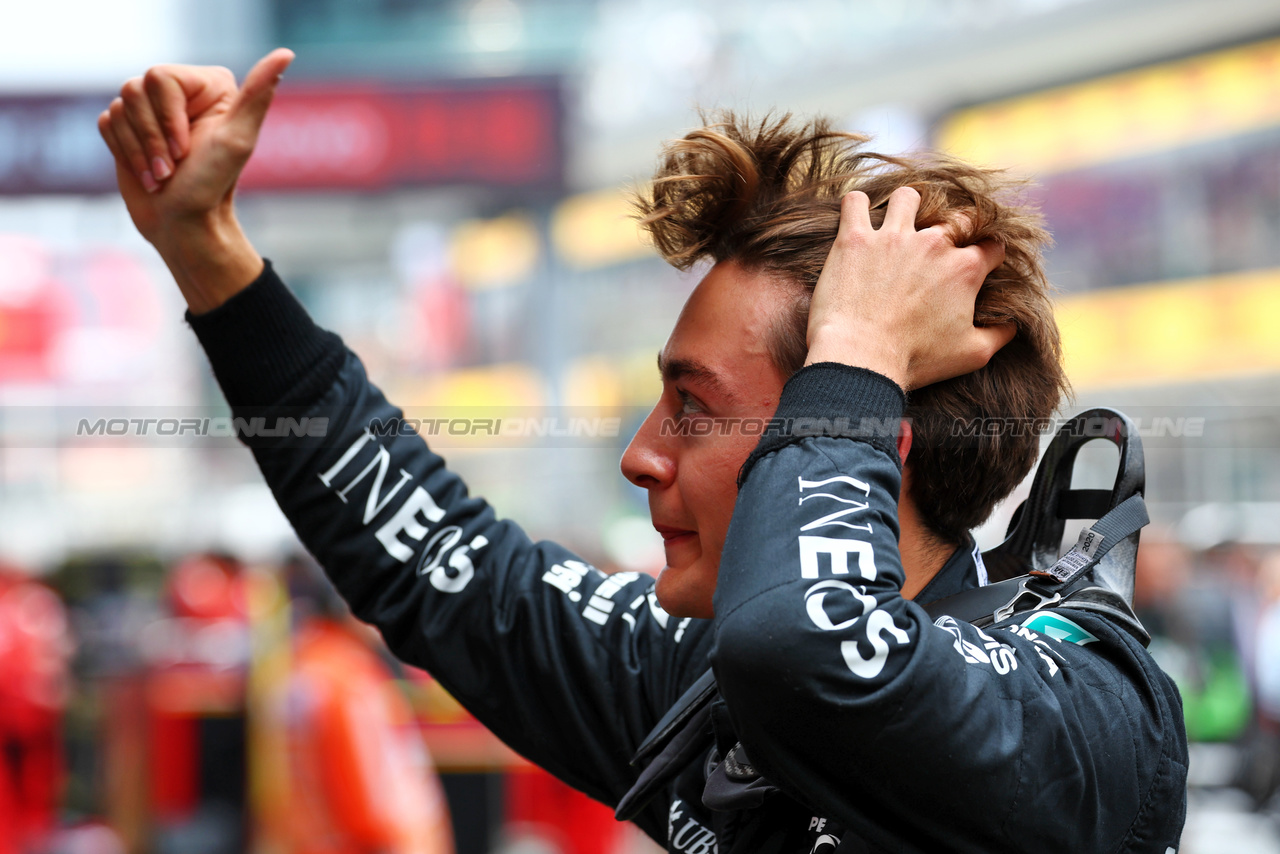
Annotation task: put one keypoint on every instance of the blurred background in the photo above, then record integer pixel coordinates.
(444, 182)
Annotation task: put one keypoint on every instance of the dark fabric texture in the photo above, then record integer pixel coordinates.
(265, 349)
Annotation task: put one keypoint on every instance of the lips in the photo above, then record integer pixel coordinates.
(672, 535)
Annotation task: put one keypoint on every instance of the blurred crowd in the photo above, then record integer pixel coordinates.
(209, 707)
(1214, 619)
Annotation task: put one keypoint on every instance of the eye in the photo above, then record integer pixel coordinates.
(689, 405)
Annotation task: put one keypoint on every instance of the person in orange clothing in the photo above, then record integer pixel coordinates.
(359, 776)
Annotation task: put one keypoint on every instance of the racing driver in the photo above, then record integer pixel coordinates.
(799, 697)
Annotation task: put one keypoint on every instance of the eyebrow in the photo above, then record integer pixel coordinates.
(676, 369)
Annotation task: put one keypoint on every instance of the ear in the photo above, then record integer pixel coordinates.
(904, 440)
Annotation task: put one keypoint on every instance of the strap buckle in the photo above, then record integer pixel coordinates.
(1010, 608)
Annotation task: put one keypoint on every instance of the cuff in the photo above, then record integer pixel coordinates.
(831, 399)
(264, 347)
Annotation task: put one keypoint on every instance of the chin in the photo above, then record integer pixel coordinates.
(681, 595)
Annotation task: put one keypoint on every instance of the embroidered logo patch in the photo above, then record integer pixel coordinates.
(1058, 627)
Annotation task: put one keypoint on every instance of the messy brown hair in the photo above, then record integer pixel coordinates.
(766, 195)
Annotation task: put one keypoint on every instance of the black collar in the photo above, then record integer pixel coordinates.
(962, 571)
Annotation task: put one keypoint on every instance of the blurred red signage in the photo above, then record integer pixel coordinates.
(370, 138)
(322, 137)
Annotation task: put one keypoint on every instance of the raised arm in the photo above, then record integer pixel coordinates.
(569, 666)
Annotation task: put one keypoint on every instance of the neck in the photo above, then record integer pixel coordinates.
(923, 552)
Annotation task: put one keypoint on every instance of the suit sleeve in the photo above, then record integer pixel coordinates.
(569, 666)
(919, 736)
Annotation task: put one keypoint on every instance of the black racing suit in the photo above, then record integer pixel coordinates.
(873, 725)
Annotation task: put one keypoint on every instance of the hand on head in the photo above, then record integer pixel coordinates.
(180, 135)
(900, 301)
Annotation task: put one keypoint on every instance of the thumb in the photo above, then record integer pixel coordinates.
(250, 107)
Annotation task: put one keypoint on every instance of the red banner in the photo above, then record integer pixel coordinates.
(323, 137)
(369, 138)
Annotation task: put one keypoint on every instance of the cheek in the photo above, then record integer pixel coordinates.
(716, 490)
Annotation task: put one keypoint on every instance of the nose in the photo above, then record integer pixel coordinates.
(648, 461)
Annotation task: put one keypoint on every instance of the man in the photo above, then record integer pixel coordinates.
(840, 714)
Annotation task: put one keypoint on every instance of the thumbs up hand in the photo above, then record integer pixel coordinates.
(181, 135)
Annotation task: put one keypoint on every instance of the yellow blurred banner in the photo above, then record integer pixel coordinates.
(1137, 112)
(495, 253)
(504, 385)
(1164, 333)
(629, 379)
(596, 229)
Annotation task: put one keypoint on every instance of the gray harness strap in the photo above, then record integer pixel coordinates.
(1067, 580)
